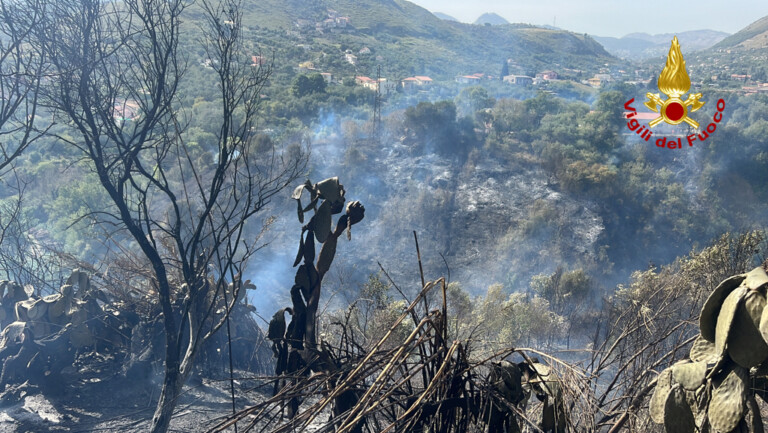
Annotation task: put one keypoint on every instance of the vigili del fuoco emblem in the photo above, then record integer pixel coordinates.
(674, 82)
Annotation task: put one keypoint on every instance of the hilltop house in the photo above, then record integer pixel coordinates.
(370, 83)
(473, 78)
(547, 75)
(342, 22)
(468, 79)
(125, 110)
(350, 58)
(411, 83)
(258, 60)
(599, 79)
(518, 80)
(423, 80)
(307, 67)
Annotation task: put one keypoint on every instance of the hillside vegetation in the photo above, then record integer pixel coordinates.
(408, 37)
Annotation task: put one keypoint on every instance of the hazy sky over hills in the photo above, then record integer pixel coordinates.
(612, 17)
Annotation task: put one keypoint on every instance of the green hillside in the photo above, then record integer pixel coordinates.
(406, 39)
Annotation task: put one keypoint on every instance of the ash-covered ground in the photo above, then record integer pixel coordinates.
(124, 405)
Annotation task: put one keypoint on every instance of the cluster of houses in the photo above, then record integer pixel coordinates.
(419, 82)
(423, 82)
(750, 85)
(517, 80)
(129, 110)
(761, 88)
(755, 88)
(333, 23)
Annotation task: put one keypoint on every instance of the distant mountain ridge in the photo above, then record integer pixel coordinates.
(753, 36)
(643, 45)
(492, 19)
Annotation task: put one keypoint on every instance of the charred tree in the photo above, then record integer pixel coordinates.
(22, 70)
(187, 219)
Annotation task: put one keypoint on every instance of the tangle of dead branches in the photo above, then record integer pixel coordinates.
(423, 383)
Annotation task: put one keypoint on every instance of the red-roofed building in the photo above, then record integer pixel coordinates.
(644, 117)
(423, 80)
(369, 83)
(409, 83)
(547, 75)
(641, 116)
(468, 79)
(520, 80)
(342, 22)
(412, 83)
(124, 110)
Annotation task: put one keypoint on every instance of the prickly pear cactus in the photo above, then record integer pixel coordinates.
(712, 391)
(295, 345)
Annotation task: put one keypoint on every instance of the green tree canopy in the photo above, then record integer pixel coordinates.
(304, 85)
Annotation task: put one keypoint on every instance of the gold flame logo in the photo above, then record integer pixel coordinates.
(674, 82)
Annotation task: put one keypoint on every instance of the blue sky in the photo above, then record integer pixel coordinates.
(612, 17)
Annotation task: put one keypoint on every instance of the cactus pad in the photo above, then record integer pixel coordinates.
(690, 375)
(678, 417)
(756, 279)
(660, 394)
(726, 317)
(711, 309)
(745, 343)
(703, 350)
(764, 324)
(323, 222)
(729, 397)
(329, 189)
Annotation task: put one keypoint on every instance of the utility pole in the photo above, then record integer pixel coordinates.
(377, 108)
